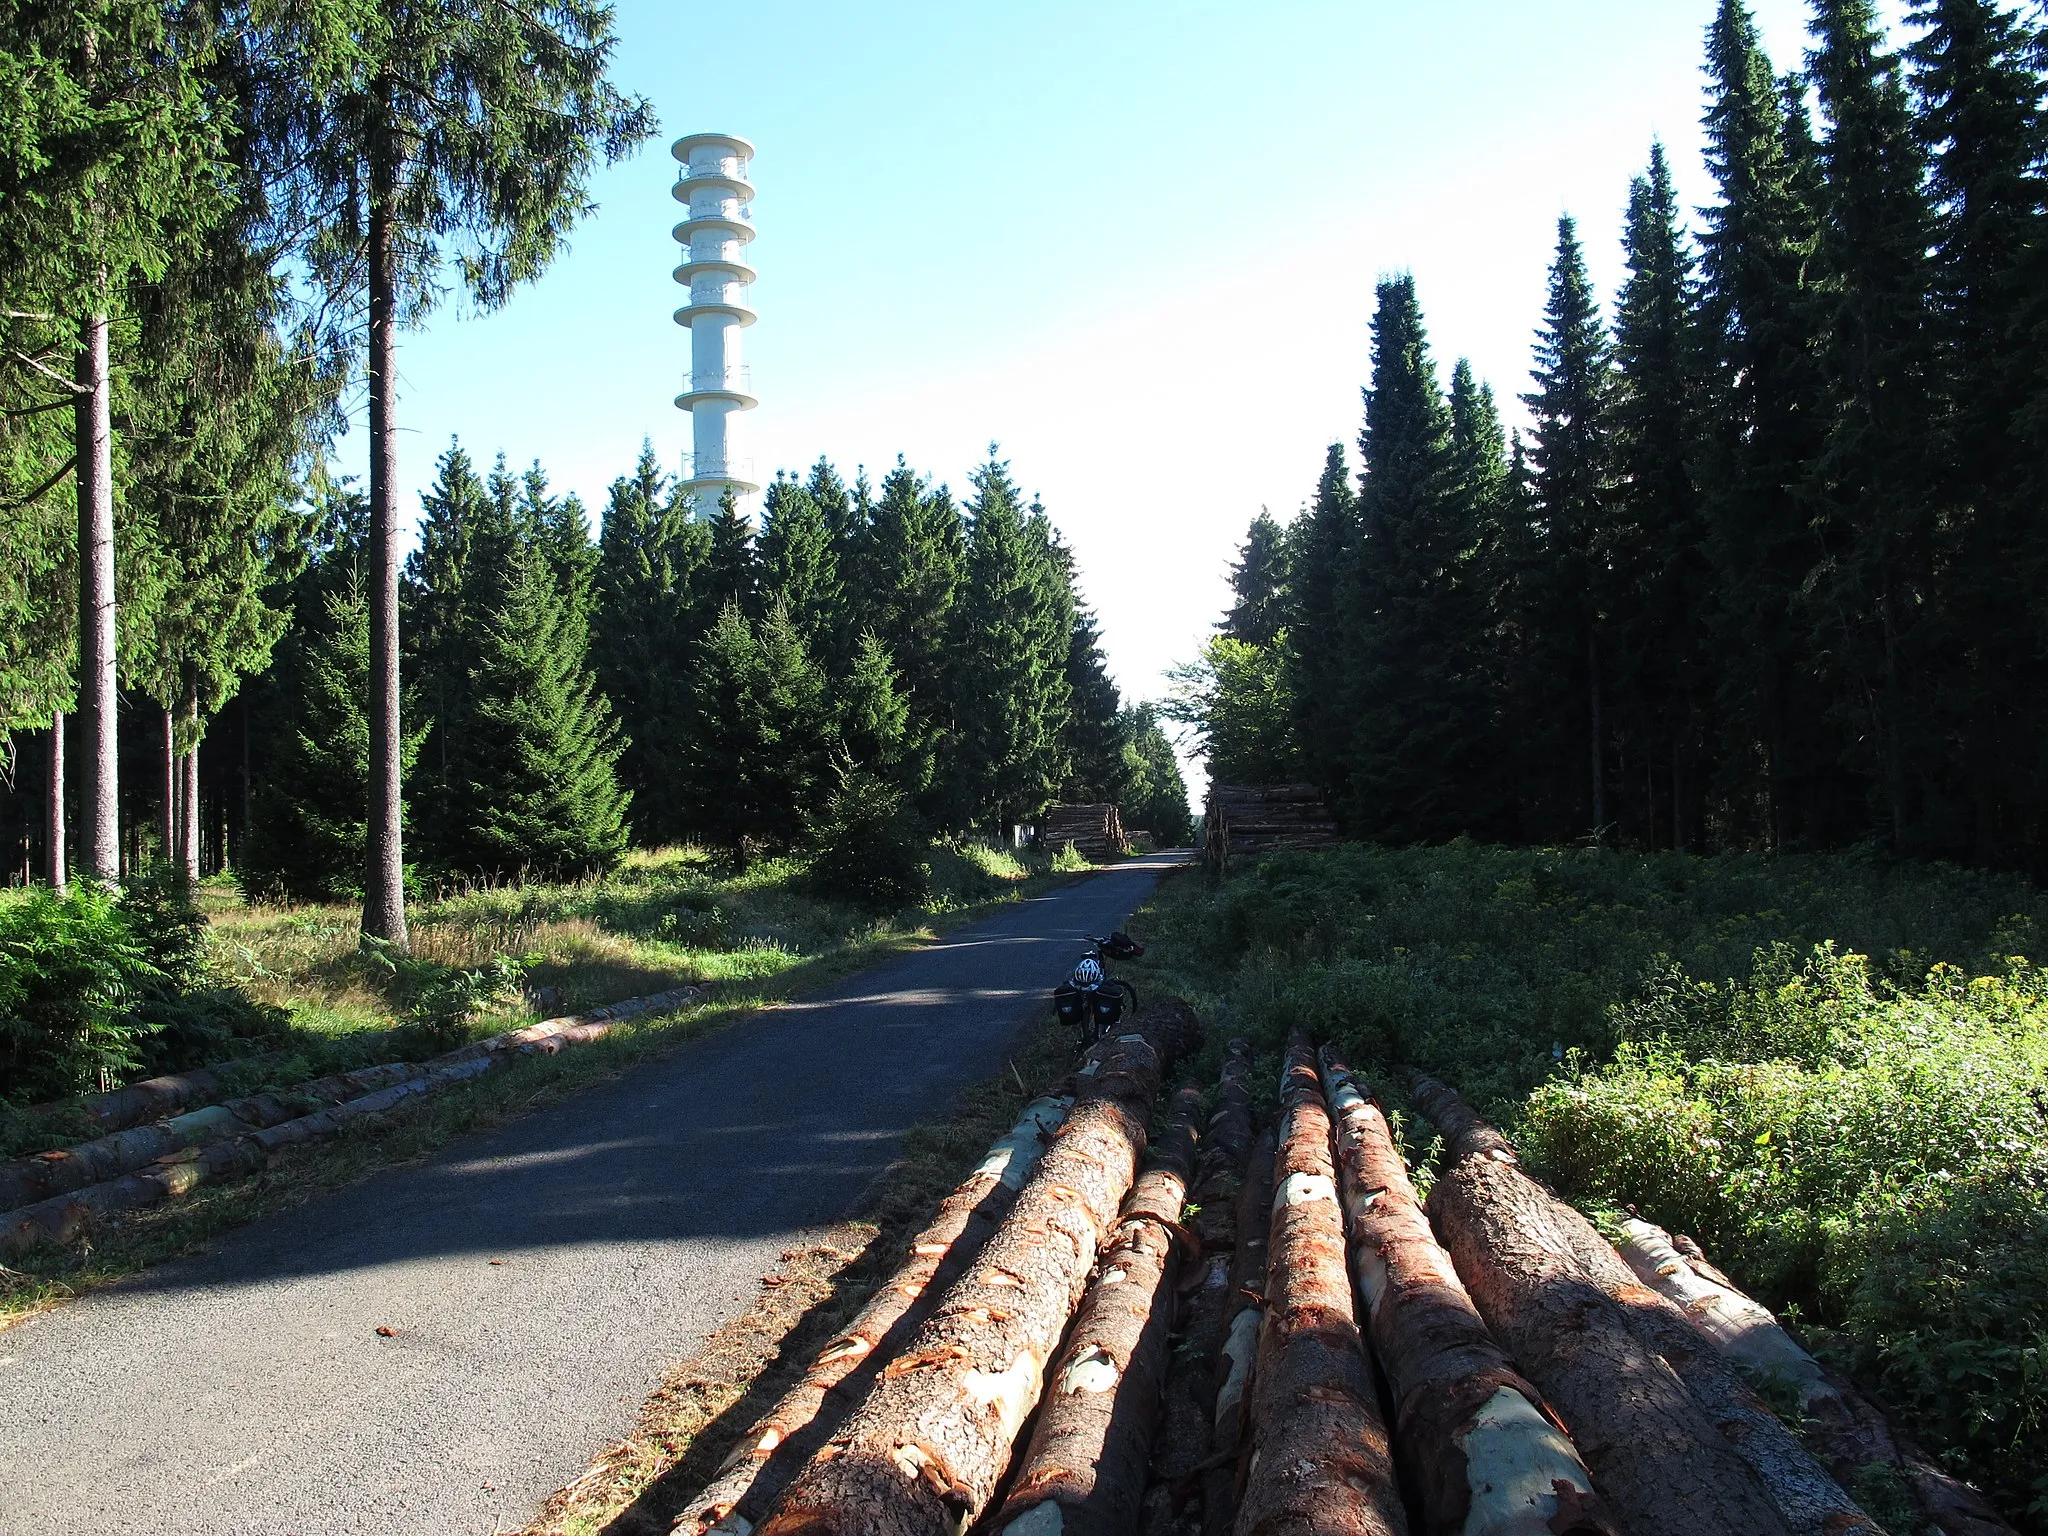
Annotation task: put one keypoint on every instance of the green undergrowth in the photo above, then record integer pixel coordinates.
(1830, 1069)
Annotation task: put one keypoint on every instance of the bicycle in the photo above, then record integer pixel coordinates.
(1091, 1001)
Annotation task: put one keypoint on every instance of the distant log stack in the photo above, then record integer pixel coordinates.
(1095, 830)
(1246, 820)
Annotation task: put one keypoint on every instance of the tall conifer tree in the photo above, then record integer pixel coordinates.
(1319, 552)
(1572, 459)
(800, 564)
(1258, 582)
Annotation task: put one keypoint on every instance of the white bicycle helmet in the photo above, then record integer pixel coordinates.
(1088, 974)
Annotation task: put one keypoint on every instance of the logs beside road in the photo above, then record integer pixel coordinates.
(1532, 1382)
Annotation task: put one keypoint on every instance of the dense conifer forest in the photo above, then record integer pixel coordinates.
(215, 654)
(1764, 571)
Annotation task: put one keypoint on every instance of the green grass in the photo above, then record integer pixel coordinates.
(665, 919)
(1833, 1070)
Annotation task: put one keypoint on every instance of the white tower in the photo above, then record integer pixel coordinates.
(714, 235)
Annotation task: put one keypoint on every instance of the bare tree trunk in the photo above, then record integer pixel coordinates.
(1841, 1426)
(1472, 1436)
(1083, 1473)
(168, 788)
(1599, 758)
(923, 1455)
(188, 789)
(53, 815)
(762, 1464)
(384, 876)
(98, 656)
(1320, 1459)
(1654, 1451)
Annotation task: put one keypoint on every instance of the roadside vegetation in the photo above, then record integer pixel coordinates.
(1830, 1069)
(290, 992)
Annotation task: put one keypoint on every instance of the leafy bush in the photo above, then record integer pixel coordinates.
(1070, 861)
(439, 1000)
(96, 989)
(69, 967)
(867, 847)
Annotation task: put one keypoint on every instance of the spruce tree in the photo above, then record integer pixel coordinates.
(1258, 580)
(530, 786)
(642, 637)
(1011, 637)
(732, 566)
(917, 555)
(437, 625)
(1872, 487)
(800, 565)
(1660, 578)
(1573, 468)
(1094, 748)
(1319, 550)
(874, 718)
(1762, 432)
(1414, 689)
(1982, 125)
(756, 763)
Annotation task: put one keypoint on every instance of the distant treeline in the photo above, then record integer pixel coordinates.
(1768, 569)
(679, 677)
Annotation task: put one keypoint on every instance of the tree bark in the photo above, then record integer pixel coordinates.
(188, 789)
(1654, 1452)
(1472, 1435)
(1599, 757)
(1181, 1446)
(384, 876)
(170, 788)
(1320, 1460)
(787, 1436)
(1239, 1353)
(1843, 1428)
(924, 1453)
(1083, 1473)
(99, 850)
(53, 814)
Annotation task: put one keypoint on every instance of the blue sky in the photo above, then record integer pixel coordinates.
(1136, 243)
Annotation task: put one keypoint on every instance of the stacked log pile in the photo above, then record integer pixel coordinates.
(1245, 821)
(1094, 830)
(1276, 1336)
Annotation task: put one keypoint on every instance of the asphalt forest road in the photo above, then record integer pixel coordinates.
(246, 1392)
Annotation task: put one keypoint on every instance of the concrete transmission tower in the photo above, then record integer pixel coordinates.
(714, 234)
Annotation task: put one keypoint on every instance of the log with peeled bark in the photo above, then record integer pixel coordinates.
(924, 1452)
(1320, 1460)
(1842, 1427)
(1238, 1358)
(1470, 1431)
(1656, 1455)
(761, 1466)
(1083, 1471)
(1810, 1500)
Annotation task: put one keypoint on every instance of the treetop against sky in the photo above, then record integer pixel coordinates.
(1135, 243)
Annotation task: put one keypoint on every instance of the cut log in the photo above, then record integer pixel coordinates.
(762, 1465)
(1842, 1427)
(1654, 1451)
(1229, 1448)
(1083, 1472)
(1181, 1445)
(1470, 1430)
(26, 1180)
(63, 1217)
(1320, 1460)
(924, 1452)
